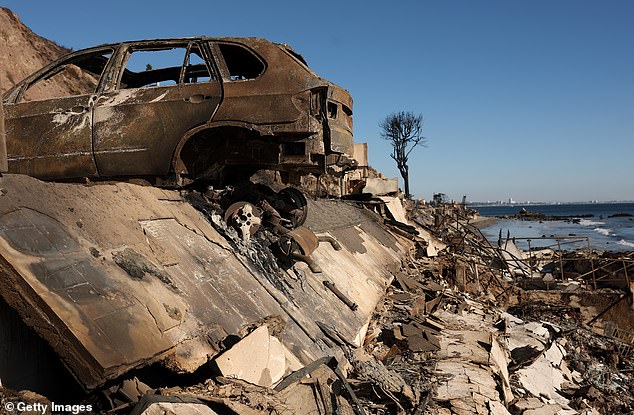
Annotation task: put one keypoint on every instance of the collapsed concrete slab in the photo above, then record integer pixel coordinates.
(116, 276)
(259, 358)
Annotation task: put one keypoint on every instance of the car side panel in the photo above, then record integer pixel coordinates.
(4, 165)
(136, 130)
(270, 98)
(50, 138)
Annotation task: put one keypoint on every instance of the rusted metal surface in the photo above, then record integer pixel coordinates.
(4, 164)
(234, 105)
(305, 238)
(152, 280)
(332, 287)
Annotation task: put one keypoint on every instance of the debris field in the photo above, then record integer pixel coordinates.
(187, 302)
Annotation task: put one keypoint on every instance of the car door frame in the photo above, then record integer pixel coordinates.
(75, 158)
(140, 156)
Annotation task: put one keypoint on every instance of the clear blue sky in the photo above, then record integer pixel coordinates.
(526, 99)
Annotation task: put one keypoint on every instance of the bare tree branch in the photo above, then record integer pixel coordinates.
(404, 131)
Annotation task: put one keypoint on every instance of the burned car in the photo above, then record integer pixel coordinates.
(178, 109)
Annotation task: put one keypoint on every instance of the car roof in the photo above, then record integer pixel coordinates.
(245, 40)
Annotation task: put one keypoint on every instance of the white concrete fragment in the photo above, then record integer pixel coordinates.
(519, 337)
(496, 408)
(514, 256)
(259, 358)
(542, 379)
(545, 409)
(554, 355)
(511, 318)
(577, 377)
(378, 186)
(538, 329)
(177, 408)
(500, 366)
(394, 205)
(431, 251)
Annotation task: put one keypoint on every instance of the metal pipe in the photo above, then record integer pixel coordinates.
(332, 287)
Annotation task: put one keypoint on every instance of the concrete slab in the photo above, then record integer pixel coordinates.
(58, 244)
(395, 207)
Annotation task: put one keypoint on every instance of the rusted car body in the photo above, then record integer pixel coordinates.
(187, 108)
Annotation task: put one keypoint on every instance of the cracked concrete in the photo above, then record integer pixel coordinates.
(191, 288)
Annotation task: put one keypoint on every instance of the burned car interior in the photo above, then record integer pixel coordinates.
(162, 67)
(241, 64)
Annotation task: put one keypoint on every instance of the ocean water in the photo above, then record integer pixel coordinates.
(605, 233)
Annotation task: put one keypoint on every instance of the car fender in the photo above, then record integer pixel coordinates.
(177, 164)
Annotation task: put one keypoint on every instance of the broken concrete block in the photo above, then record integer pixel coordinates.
(133, 389)
(511, 319)
(525, 344)
(543, 409)
(538, 329)
(377, 186)
(496, 408)
(395, 207)
(542, 379)
(171, 405)
(179, 286)
(554, 355)
(500, 366)
(360, 154)
(258, 358)
(525, 404)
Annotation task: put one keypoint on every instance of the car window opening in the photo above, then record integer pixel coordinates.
(79, 76)
(196, 69)
(146, 68)
(242, 63)
(332, 110)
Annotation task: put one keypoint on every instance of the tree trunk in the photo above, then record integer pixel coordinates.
(405, 174)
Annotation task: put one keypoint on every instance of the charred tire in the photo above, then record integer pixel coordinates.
(294, 197)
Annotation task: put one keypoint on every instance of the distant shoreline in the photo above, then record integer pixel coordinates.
(481, 222)
(475, 205)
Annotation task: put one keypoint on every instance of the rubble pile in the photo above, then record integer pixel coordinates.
(478, 355)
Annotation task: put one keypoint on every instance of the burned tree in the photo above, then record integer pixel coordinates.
(404, 130)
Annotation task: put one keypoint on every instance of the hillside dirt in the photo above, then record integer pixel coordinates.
(22, 51)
